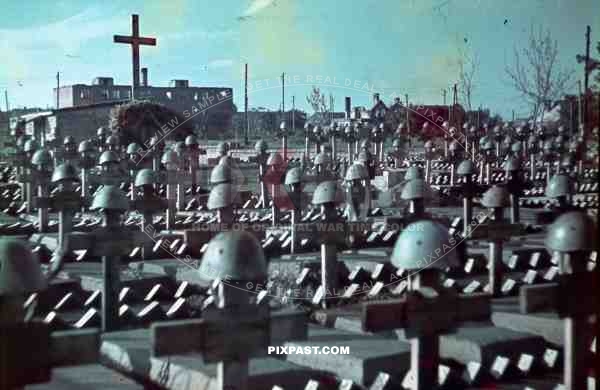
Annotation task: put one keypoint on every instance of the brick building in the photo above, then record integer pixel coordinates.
(215, 103)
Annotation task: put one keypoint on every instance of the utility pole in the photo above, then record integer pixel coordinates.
(586, 77)
(331, 108)
(579, 106)
(246, 123)
(293, 113)
(454, 101)
(407, 115)
(444, 95)
(513, 115)
(7, 110)
(283, 96)
(57, 90)
(571, 116)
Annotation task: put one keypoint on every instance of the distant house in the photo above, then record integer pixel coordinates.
(373, 115)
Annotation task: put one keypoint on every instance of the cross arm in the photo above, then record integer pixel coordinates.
(228, 333)
(573, 295)
(380, 316)
(29, 350)
(474, 307)
(496, 231)
(75, 347)
(105, 242)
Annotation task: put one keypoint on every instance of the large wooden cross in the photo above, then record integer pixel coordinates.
(135, 41)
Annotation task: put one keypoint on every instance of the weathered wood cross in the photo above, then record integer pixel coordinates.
(135, 41)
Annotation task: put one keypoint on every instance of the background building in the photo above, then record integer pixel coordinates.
(211, 108)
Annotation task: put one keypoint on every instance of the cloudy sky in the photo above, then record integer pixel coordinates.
(394, 47)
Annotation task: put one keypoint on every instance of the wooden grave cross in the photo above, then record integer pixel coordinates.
(40, 181)
(29, 351)
(148, 204)
(331, 234)
(110, 242)
(67, 202)
(496, 232)
(425, 314)
(574, 297)
(229, 336)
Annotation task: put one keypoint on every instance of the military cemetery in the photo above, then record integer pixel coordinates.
(147, 245)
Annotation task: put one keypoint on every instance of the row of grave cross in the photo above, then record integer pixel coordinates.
(236, 330)
(110, 240)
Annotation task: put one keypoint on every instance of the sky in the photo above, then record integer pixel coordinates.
(345, 47)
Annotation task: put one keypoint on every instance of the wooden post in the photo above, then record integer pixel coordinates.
(262, 160)
(112, 284)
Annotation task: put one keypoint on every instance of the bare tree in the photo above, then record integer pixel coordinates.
(535, 73)
(468, 66)
(321, 105)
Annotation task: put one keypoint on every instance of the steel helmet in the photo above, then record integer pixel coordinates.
(102, 132)
(423, 244)
(145, 177)
(68, 140)
(112, 140)
(413, 172)
(110, 198)
(465, 168)
(221, 196)
(363, 156)
(516, 147)
(221, 173)
(327, 192)
(85, 147)
(107, 157)
(64, 172)
(275, 159)
(559, 185)
(222, 147)
(571, 232)
(293, 176)
(234, 255)
(496, 197)
(260, 146)
(454, 146)
(133, 148)
(357, 171)
(568, 160)
(170, 157)
(415, 189)
(513, 164)
(191, 140)
(20, 271)
(322, 159)
(41, 158)
(30, 146)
